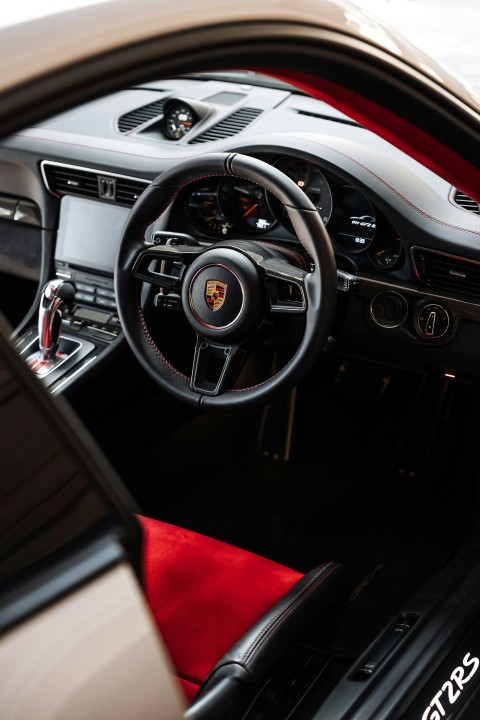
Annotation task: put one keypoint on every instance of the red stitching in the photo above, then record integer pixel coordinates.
(303, 593)
(397, 193)
(151, 341)
(299, 258)
(159, 354)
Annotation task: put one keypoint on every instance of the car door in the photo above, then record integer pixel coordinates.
(76, 636)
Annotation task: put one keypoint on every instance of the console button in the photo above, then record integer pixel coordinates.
(105, 292)
(85, 288)
(85, 297)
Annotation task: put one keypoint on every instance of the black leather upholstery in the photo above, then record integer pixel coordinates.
(314, 604)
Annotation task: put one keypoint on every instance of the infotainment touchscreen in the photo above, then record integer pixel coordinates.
(89, 233)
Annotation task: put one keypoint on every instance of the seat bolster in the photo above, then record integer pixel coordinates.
(315, 601)
(217, 703)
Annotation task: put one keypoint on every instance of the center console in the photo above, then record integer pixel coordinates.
(86, 248)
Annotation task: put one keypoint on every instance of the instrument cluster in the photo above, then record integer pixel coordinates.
(227, 207)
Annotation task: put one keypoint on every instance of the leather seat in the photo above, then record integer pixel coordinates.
(227, 615)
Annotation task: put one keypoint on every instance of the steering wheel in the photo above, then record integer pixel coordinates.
(230, 292)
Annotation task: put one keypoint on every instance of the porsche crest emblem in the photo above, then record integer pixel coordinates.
(215, 294)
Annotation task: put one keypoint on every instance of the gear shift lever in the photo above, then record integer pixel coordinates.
(55, 295)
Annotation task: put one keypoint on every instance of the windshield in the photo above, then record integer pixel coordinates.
(446, 30)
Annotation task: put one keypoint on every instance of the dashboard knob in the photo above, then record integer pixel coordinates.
(433, 321)
(389, 309)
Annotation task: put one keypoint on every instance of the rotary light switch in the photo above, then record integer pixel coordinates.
(433, 321)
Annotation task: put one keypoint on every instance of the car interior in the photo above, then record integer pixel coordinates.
(265, 321)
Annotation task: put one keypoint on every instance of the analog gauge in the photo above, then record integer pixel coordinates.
(353, 223)
(178, 120)
(312, 181)
(387, 252)
(205, 211)
(246, 206)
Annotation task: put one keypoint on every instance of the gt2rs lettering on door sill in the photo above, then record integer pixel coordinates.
(452, 689)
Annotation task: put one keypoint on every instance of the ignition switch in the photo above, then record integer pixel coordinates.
(433, 321)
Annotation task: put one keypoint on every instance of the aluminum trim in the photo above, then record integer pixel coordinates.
(74, 374)
(67, 357)
(405, 304)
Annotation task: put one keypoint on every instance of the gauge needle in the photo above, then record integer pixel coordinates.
(250, 209)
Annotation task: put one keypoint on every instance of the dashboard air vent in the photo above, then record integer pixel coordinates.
(447, 272)
(71, 180)
(459, 198)
(231, 125)
(322, 116)
(128, 190)
(133, 119)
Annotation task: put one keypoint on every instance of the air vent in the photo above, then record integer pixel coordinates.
(231, 125)
(71, 180)
(129, 190)
(459, 198)
(447, 272)
(344, 121)
(139, 116)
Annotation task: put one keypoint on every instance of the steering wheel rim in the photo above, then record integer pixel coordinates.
(244, 271)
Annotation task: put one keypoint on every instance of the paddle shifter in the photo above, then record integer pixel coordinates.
(56, 295)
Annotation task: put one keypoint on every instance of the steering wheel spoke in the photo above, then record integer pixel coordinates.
(165, 265)
(286, 288)
(215, 366)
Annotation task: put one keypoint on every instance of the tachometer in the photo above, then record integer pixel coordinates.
(245, 204)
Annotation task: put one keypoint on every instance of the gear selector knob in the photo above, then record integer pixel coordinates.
(56, 295)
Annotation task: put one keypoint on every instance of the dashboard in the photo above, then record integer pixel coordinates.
(407, 244)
